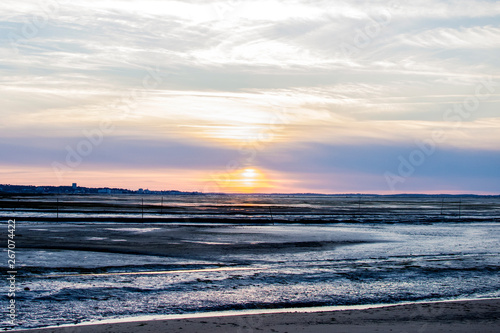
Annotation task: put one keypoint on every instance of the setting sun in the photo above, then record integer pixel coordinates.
(249, 174)
(247, 180)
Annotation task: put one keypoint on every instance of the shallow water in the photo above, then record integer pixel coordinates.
(281, 207)
(394, 263)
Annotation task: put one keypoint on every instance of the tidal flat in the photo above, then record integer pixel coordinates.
(81, 271)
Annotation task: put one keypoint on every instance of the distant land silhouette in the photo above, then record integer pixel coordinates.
(74, 189)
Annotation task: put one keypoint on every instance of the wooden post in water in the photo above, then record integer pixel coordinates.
(142, 206)
(271, 212)
(460, 209)
(161, 211)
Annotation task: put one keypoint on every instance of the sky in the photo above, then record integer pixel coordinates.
(252, 96)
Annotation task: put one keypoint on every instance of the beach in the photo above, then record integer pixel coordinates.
(458, 316)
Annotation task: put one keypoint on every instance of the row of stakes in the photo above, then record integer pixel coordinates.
(270, 210)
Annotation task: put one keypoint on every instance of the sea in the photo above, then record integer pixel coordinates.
(84, 258)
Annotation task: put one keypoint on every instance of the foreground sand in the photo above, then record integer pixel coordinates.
(462, 316)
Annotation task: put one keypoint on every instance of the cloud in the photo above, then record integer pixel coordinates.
(230, 68)
(117, 152)
(478, 37)
(349, 168)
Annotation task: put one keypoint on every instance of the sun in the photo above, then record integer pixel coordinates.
(247, 180)
(249, 175)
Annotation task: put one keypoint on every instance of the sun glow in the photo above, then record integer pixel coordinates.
(235, 134)
(248, 180)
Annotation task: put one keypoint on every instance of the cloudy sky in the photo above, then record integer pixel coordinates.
(252, 96)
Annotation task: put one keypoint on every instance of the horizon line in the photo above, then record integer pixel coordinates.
(272, 193)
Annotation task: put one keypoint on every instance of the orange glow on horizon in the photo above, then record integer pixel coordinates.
(247, 180)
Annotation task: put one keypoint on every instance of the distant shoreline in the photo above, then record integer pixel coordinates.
(8, 189)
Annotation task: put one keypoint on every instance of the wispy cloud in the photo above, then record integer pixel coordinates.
(485, 37)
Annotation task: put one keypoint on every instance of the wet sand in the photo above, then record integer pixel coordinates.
(457, 316)
(172, 240)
